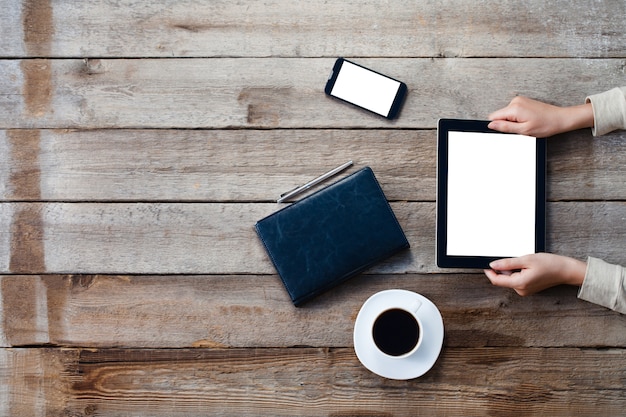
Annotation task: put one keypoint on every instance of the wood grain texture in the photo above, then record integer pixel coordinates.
(278, 93)
(253, 311)
(213, 165)
(29, 382)
(140, 142)
(37, 26)
(219, 238)
(397, 28)
(22, 173)
(258, 165)
(309, 381)
(7, 212)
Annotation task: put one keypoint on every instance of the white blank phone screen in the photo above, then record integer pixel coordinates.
(491, 194)
(365, 88)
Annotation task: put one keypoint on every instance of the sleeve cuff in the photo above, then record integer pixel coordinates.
(609, 111)
(604, 285)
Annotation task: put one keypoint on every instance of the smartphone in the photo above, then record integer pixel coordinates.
(366, 89)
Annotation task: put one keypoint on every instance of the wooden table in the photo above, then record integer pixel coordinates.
(141, 141)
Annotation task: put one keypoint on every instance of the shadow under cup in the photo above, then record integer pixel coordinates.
(396, 332)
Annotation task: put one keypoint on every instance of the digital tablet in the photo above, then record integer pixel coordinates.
(491, 194)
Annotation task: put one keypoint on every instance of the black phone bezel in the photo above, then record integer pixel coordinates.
(480, 262)
(398, 100)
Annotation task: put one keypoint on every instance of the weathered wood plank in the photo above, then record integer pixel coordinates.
(311, 382)
(258, 165)
(170, 28)
(580, 167)
(275, 93)
(211, 165)
(29, 382)
(198, 238)
(255, 312)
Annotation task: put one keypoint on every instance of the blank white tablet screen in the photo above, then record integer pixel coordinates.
(491, 194)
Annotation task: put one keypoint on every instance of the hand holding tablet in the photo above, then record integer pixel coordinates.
(490, 194)
(532, 273)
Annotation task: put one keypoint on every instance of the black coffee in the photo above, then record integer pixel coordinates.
(396, 332)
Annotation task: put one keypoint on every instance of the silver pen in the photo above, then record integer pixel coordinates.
(311, 183)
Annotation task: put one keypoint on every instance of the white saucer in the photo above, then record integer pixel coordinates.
(412, 366)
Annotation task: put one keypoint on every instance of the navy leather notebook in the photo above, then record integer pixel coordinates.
(322, 240)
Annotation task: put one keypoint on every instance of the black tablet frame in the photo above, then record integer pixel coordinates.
(460, 125)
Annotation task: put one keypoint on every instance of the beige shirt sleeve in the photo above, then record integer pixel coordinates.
(604, 284)
(609, 111)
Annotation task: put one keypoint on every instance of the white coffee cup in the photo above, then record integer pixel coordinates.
(397, 331)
